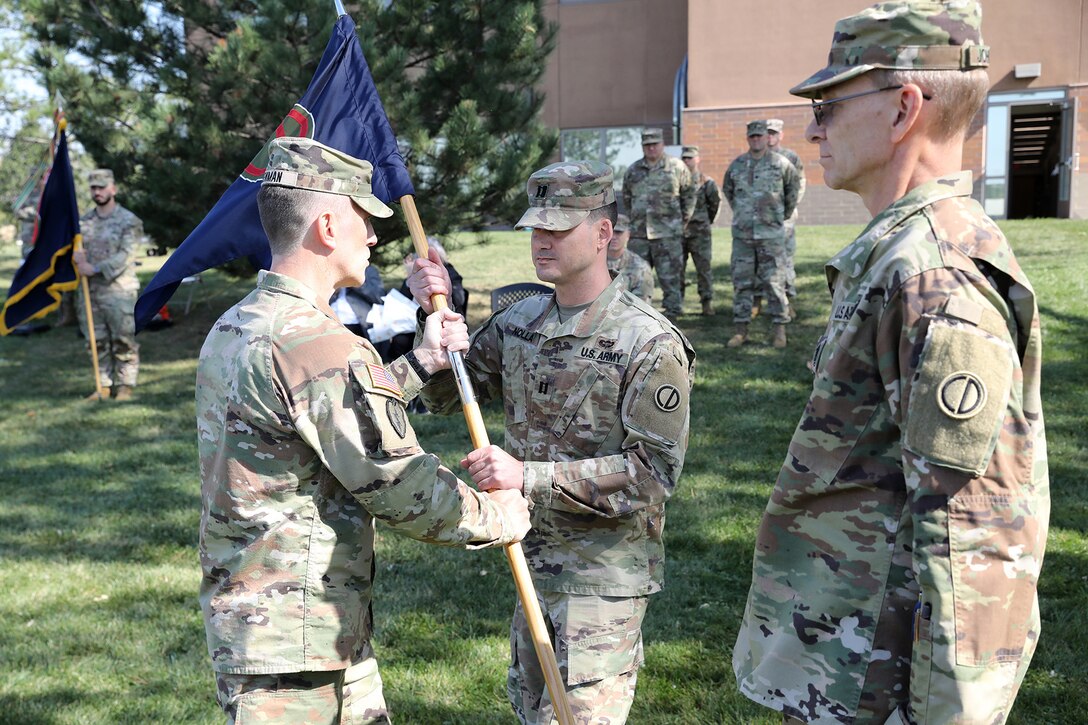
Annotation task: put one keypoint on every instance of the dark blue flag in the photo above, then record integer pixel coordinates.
(341, 108)
(48, 270)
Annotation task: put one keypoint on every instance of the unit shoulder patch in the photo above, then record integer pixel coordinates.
(958, 397)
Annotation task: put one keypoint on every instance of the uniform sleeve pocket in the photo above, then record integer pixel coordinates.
(996, 558)
(390, 433)
(958, 397)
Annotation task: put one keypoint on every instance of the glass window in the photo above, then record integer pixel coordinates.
(618, 147)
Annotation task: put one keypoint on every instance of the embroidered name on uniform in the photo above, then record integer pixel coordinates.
(615, 357)
(521, 333)
(382, 380)
(844, 311)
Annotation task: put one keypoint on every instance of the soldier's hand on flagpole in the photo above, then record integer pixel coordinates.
(494, 469)
(85, 268)
(516, 508)
(429, 278)
(443, 332)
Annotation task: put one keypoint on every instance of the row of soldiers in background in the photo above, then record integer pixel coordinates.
(673, 204)
(111, 239)
(763, 187)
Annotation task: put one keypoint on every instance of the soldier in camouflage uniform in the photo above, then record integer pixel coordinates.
(304, 442)
(595, 387)
(896, 567)
(774, 143)
(761, 188)
(659, 198)
(27, 215)
(111, 238)
(697, 237)
(622, 262)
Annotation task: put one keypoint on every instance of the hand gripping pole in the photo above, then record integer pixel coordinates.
(514, 554)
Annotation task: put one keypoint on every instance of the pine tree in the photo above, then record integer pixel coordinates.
(178, 96)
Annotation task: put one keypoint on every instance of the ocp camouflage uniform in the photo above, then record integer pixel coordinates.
(27, 214)
(660, 199)
(697, 236)
(790, 225)
(635, 273)
(304, 442)
(597, 408)
(762, 194)
(111, 244)
(897, 561)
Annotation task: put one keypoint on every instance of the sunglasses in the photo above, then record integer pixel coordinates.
(822, 113)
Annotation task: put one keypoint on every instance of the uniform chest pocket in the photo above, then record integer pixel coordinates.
(847, 393)
(515, 375)
(588, 412)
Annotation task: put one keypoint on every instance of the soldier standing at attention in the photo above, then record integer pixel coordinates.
(111, 238)
(697, 238)
(622, 262)
(595, 385)
(304, 442)
(659, 197)
(761, 188)
(774, 143)
(896, 566)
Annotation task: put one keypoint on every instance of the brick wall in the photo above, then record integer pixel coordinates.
(1078, 192)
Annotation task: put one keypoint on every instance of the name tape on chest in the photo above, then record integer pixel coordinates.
(844, 311)
(521, 333)
(603, 355)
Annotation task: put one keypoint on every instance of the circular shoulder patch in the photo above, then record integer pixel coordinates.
(961, 395)
(668, 398)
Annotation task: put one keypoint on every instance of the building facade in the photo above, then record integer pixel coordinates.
(701, 69)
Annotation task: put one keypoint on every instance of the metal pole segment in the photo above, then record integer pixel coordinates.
(523, 581)
(339, 8)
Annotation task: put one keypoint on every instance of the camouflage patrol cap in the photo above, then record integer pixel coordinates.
(100, 177)
(775, 125)
(915, 35)
(562, 195)
(689, 152)
(652, 135)
(623, 223)
(303, 163)
(757, 128)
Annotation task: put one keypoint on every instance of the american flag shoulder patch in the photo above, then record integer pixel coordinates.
(382, 380)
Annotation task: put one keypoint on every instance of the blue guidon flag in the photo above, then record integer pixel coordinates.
(341, 109)
(48, 270)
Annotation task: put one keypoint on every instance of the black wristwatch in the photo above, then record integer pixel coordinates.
(421, 371)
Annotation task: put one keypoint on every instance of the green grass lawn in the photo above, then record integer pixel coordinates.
(100, 503)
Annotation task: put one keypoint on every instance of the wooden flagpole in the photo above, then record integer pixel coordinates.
(77, 245)
(553, 678)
